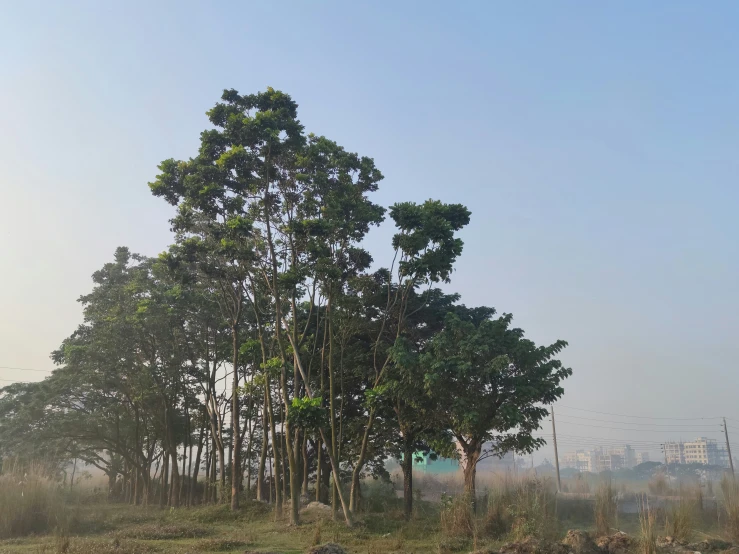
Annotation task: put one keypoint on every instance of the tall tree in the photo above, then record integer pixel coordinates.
(491, 384)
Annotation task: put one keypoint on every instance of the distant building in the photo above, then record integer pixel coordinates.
(642, 457)
(580, 460)
(627, 454)
(700, 451)
(674, 452)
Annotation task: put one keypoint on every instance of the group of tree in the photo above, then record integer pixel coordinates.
(261, 356)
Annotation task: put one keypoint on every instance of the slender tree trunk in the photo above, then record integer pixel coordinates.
(305, 466)
(407, 478)
(471, 454)
(318, 470)
(355, 492)
(275, 452)
(263, 453)
(74, 470)
(165, 479)
(196, 470)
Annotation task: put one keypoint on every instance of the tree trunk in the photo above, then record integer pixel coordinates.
(235, 424)
(275, 452)
(263, 453)
(196, 470)
(164, 479)
(304, 450)
(471, 456)
(407, 479)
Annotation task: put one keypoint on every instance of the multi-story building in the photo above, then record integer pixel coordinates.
(580, 460)
(642, 457)
(674, 452)
(700, 451)
(609, 462)
(627, 454)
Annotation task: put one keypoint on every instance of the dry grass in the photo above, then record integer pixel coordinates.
(680, 520)
(457, 518)
(648, 527)
(31, 503)
(606, 508)
(730, 506)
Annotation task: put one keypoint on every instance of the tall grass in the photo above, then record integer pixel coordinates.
(730, 506)
(457, 517)
(680, 520)
(30, 503)
(648, 527)
(606, 508)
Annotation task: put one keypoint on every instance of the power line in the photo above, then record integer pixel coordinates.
(638, 417)
(638, 430)
(639, 423)
(26, 369)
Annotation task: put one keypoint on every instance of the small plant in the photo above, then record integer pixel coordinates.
(606, 508)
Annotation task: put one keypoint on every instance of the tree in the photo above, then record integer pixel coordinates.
(491, 384)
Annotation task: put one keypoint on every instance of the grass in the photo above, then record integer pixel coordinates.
(31, 503)
(730, 507)
(606, 508)
(648, 525)
(512, 509)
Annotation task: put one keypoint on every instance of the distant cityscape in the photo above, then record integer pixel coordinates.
(699, 451)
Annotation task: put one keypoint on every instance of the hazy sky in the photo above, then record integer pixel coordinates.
(595, 143)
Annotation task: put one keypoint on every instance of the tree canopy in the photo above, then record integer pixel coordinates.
(263, 355)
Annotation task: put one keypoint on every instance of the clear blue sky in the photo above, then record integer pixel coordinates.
(595, 143)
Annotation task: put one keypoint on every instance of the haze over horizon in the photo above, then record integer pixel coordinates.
(595, 146)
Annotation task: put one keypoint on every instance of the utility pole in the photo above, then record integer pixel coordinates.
(728, 448)
(667, 467)
(556, 455)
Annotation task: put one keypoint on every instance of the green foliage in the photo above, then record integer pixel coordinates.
(307, 413)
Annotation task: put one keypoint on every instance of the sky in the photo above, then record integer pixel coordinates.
(595, 144)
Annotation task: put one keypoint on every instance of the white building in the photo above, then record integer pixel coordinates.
(699, 451)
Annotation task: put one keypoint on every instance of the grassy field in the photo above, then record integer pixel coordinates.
(38, 516)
